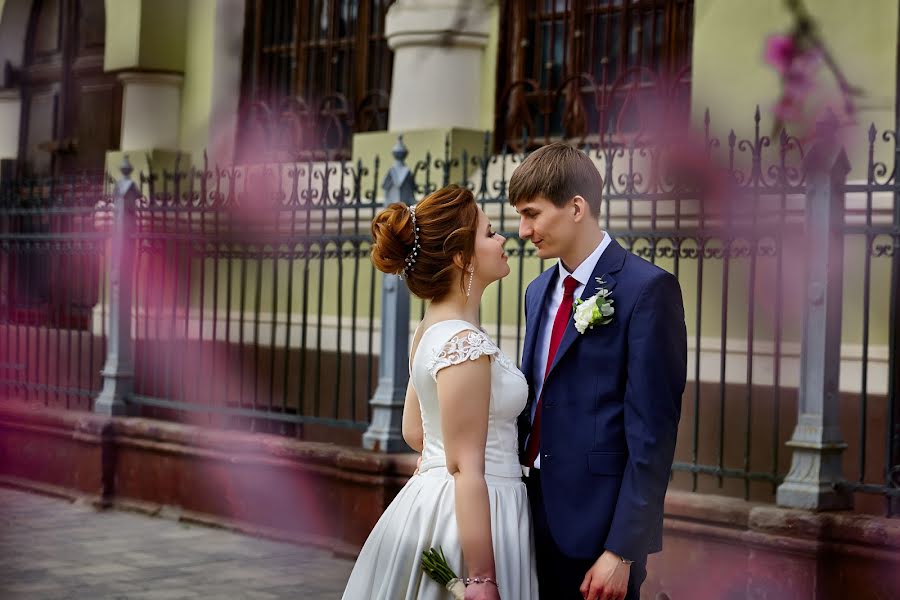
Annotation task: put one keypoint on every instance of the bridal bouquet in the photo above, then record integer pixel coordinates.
(435, 566)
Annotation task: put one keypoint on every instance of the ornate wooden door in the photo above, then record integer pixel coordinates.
(71, 109)
(71, 113)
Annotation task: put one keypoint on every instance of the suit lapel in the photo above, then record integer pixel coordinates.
(535, 317)
(610, 262)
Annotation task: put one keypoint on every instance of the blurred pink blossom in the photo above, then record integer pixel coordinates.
(797, 67)
(788, 108)
(780, 52)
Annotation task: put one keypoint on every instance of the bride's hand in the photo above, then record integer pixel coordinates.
(482, 591)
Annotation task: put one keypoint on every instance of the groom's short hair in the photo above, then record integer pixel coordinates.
(558, 172)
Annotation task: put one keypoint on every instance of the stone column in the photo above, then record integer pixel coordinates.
(442, 91)
(151, 119)
(118, 371)
(385, 432)
(817, 443)
(151, 107)
(438, 52)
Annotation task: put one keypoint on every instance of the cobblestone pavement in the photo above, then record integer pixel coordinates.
(54, 549)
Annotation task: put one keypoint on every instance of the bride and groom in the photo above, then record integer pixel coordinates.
(546, 482)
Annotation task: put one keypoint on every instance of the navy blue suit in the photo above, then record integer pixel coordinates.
(611, 405)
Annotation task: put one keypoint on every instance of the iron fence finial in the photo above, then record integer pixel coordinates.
(398, 184)
(400, 151)
(125, 168)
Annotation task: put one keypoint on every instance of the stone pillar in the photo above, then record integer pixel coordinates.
(442, 92)
(118, 371)
(151, 107)
(385, 433)
(438, 55)
(151, 120)
(816, 442)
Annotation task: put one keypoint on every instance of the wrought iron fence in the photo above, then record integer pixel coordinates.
(872, 221)
(52, 261)
(255, 304)
(254, 295)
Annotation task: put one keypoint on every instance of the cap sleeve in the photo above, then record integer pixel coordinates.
(465, 345)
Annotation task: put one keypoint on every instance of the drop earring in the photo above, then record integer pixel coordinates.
(471, 270)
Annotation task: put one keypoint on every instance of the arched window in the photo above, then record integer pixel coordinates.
(314, 73)
(567, 68)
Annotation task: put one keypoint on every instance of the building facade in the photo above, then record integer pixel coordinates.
(221, 99)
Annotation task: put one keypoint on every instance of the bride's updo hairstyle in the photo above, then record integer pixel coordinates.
(447, 221)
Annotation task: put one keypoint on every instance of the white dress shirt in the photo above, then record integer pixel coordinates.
(542, 344)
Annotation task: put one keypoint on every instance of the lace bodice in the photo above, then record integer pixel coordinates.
(450, 343)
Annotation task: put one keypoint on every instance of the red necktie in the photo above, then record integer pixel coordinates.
(563, 315)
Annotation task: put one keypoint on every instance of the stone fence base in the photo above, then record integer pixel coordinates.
(716, 548)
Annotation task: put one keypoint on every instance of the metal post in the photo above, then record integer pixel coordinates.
(385, 432)
(816, 442)
(118, 372)
(892, 466)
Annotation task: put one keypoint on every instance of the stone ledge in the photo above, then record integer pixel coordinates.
(175, 437)
(52, 420)
(737, 521)
(254, 447)
(722, 511)
(840, 527)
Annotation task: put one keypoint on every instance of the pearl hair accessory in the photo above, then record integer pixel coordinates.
(411, 259)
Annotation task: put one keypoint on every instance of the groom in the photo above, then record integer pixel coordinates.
(598, 433)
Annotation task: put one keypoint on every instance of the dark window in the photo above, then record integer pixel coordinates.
(591, 69)
(314, 73)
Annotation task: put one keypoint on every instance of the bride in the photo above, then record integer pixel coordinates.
(461, 406)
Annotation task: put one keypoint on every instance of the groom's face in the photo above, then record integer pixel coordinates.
(550, 228)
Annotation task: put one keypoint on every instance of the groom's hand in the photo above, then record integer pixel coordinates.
(607, 579)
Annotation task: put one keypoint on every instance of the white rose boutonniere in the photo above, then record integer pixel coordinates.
(596, 310)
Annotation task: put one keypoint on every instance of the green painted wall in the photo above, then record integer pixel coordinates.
(731, 79)
(168, 35)
(163, 28)
(196, 98)
(439, 142)
(145, 34)
(123, 34)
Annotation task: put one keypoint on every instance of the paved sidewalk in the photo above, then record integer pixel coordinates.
(54, 549)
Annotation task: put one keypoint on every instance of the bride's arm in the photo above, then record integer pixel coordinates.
(413, 433)
(464, 392)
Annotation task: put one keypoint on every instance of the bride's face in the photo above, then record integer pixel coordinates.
(491, 262)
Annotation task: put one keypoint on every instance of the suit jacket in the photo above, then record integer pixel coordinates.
(611, 405)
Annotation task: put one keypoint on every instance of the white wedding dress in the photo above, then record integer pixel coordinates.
(423, 515)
